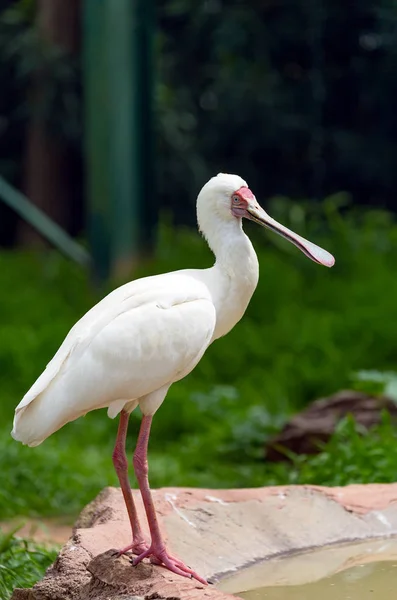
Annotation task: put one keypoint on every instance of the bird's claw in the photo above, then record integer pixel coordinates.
(162, 558)
(136, 548)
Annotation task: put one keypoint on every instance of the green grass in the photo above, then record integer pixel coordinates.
(21, 563)
(306, 331)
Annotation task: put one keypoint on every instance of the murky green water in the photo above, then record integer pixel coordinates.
(375, 581)
(364, 571)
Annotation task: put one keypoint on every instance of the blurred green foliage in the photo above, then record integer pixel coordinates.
(307, 330)
(376, 382)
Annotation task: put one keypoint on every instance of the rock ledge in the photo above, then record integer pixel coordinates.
(216, 532)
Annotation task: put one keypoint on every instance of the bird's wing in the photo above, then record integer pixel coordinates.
(131, 341)
(84, 331)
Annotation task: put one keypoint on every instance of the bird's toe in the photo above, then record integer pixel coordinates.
(162, 558)
(135, 548)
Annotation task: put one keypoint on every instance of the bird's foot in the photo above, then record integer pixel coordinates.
(160, 556)
(137, 547)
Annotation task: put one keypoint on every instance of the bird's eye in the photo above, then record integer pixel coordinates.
(236, 199)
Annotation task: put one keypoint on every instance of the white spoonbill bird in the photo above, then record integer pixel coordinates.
(145, 335)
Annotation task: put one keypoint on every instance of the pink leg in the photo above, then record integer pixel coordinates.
(120, 462)
(157, 551)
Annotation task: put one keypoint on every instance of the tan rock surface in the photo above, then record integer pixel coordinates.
(216, 532)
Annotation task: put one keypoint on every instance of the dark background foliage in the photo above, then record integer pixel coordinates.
(297, 96)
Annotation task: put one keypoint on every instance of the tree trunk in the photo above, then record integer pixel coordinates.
(49, 162)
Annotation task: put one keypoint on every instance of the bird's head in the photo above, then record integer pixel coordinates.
(229, 198)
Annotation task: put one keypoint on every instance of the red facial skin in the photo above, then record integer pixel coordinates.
(244, 196)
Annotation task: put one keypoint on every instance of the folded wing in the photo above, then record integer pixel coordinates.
(130, 344)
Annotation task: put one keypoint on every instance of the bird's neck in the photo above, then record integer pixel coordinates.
(232, 248)
(234, 276)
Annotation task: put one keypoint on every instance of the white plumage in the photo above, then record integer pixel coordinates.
(144, 336)
(132, 343)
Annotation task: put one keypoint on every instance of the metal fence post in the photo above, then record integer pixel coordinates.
(118, 40)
